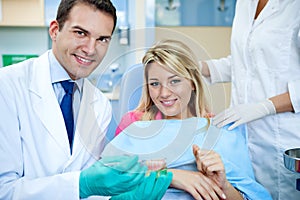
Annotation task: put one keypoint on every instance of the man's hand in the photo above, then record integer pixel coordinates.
(153, 187)
(111, 176)
(244, 113)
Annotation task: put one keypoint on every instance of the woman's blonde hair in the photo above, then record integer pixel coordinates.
(180, 60)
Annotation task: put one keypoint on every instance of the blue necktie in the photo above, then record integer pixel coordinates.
(67, 110)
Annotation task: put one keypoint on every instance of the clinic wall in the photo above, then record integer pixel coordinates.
(23, 40)
(206, 42)
(22, 31)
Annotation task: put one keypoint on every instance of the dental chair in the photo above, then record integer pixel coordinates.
(130, 89)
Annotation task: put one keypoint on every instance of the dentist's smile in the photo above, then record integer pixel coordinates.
(82, 60)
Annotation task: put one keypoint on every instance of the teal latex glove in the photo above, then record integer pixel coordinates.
(111, 176)
(151, 188)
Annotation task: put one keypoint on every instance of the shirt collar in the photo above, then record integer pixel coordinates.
(58, 73)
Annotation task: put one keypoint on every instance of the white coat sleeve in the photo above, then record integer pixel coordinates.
(294, 86)
(14, 183)
(294, 91)
(220, 70)
(298, 39)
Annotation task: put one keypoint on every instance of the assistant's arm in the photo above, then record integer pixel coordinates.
(216, 70)
(244, 113)
(288, 101)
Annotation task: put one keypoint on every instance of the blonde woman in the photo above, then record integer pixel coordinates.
(174, 90)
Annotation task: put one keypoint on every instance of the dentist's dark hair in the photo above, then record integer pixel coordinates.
(65, 7)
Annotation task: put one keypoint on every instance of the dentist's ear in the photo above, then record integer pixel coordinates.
(53, 29)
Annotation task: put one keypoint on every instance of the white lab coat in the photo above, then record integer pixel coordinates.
(265, 62)
(34, 149)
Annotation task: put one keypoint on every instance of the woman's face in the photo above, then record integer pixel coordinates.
(169, 92)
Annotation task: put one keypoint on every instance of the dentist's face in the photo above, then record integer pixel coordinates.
(83, 41)
(169, 92)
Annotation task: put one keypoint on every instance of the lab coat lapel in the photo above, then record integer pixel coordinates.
(45, 104)
(88, 133)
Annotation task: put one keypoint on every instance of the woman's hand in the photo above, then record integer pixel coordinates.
(197, 184)
(211, 165)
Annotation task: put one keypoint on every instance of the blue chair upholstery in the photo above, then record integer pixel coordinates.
(105, 82)
(130, 89)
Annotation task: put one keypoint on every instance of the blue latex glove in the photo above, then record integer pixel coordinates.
(151, 188)
(111, 176)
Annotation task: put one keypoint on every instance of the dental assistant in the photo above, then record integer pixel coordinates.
(38, 160)
(264, 69)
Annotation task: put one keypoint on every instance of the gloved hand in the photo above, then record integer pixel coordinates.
(244, 113)
(111, 175)
(153, 187)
